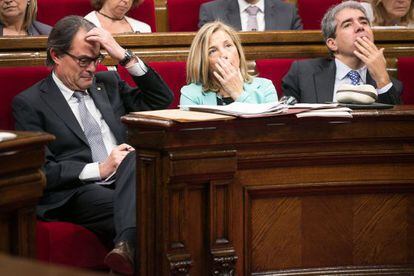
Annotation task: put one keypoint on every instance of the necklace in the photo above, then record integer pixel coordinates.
(112, 18)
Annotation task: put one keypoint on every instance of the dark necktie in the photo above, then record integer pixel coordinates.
(91, 129)
(354, 77)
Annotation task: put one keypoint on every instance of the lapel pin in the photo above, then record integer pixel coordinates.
(98, 88)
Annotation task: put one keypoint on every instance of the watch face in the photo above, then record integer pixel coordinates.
(128, 56)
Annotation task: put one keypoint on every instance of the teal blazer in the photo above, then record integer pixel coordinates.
(260, 90)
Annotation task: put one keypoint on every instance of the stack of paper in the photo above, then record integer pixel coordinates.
(338, 112)
(239, 109)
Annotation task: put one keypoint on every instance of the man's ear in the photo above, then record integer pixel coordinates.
(331, 44)
(54, 56)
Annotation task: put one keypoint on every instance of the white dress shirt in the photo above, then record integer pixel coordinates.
(340, 78)
(91, 171)
(243, 5)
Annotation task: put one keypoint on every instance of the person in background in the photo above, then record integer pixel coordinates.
(18, 18)
(251, 15)
(355, 59)
(390, 12)
(90, 170)
(217, 71)
(111, 15)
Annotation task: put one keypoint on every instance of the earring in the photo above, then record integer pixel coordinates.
(28, 2)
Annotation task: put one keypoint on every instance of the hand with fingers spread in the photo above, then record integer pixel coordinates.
(374, 59)
(106, 40)
(111, 163)
(229, 77)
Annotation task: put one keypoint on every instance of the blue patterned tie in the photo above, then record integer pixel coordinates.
(91, 129)
(354, 76)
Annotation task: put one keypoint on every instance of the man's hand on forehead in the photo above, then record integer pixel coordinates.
(107, 42)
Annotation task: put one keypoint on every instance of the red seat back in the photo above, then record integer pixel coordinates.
(312, 11)
(405, 66)
(50, 11)
(172, 72)
(14, 80)
(275, 70)
(183, 15)
(145, 12)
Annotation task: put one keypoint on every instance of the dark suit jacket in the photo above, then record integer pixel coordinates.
(278, 14)
(37, 28)
(313, 81)
(42, 107)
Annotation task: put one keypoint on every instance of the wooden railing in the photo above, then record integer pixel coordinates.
(175, 46)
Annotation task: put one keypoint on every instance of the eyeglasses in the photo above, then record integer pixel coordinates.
(86, 61)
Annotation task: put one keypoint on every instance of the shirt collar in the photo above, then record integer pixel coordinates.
(66, 91)
(342, 70)
(244, 5)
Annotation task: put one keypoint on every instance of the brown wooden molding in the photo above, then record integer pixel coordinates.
(166, 46)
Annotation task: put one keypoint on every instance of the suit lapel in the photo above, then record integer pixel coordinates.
(53, 97)
(271, 15)
(233, 14)
(101, 100)
(325, 82)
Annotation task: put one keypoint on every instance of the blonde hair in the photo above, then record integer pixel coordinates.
(198, 67)
(29, 15)
(380, 14)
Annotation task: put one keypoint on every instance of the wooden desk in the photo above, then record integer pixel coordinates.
(24, 267)
(276, 195)
(21, 185)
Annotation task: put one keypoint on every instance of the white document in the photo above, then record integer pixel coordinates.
(341, 112)
(6, 136)
(237, 108)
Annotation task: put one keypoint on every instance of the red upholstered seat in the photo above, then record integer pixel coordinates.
(275, 70)
(69, 244)
(312, 11)
(14, 80)
(172, 72)
(50, 11)
(183, 15)
(405, 66)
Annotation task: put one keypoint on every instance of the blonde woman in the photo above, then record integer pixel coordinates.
(217, 71)
(390, 13)
(18, 18)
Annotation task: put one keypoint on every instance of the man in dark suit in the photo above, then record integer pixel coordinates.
(271, 15)
(90, 171)
(355, 60)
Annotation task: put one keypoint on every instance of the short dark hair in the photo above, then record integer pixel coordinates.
(61, 37)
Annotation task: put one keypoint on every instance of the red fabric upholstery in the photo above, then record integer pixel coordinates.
(14, 80)
(145, 13)
(172, 72)
(312, 11)
(183, 15)
(275, 70)
(69, 244)
(405, 66)
(50, 11)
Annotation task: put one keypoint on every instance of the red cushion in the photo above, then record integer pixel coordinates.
(61, 8)
(14, 80)
(405, 66)
(172, 72)
(145, 12)
(50, 11)
(275, 70)
(312, 11)
(183, 15)
(69, 244)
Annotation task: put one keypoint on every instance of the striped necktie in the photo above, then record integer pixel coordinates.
(91, 129)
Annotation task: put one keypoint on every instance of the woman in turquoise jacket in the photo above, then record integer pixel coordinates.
(217, 71)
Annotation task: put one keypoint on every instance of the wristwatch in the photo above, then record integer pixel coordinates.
(128, 56)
